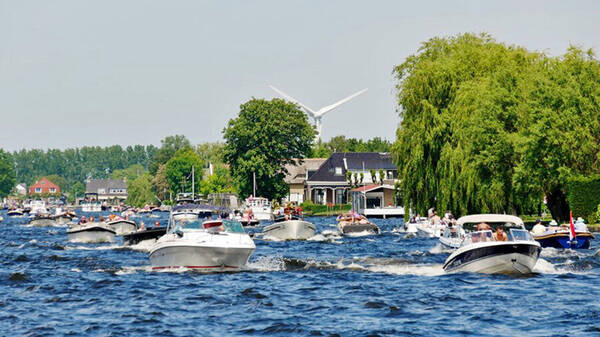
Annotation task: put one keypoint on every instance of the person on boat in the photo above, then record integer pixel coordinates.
(538, 229)
(101, 219)
(580, 225)
(157, 223)
(435, 219)
(499, 235)
(482, 226)
(82, 220)
(91, 219)
(142, 226)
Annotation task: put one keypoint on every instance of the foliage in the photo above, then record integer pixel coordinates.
(343, 144)
(169, 146)
(264, 137)
(7, 174)
(485, 114)
(211, 153)
(130, 173)
(219, 182)
(58, 180)
(381, 177)
(373, 174)
(77, 190)
(140, 191)
(76, 164)
(178, 171)
(311, 208)
(584, 196)
(160, 185)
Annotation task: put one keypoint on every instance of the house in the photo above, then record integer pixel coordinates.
(44, 186)
(297, 176)
(106, 189)
(21, 189)
(376, 200)
(336, 176)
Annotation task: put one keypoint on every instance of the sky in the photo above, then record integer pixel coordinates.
(75, 73)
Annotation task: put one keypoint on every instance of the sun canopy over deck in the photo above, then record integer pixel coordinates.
(477, 218)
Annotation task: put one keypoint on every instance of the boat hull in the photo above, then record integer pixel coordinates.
(356, 228)
(453, 243)
(290, 230)
(562, 240)
(91, 234)
(122, 227)
(262, 215)
(144, 236)
(495, 258)
(43, 222)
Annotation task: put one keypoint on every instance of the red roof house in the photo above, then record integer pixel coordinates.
(44, 186)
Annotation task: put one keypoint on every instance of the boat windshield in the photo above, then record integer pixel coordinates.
(229, 226)
(481, 236)
(519, 235)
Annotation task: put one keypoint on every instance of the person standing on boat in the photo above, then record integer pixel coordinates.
(538, 228)
(580, 225)
(435, 219)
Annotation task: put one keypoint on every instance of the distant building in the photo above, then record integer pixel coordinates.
(330, 183)
(44, 186)
(21, 189)
(106, 190)
(297, 176)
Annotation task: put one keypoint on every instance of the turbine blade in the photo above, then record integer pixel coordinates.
(330, 107)
(308, 110)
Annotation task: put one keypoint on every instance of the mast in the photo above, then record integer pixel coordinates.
(254, 184)
(193, 182)
(364, 193)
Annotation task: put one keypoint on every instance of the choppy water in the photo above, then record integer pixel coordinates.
(328, 286)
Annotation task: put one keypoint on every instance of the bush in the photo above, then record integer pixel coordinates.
(598, 214)
(583, 194)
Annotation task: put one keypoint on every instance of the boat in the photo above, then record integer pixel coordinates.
(91, 207)
(205, 244)
(290, 226)
(122, 226)
(38, 207)
(63, 218)
(143, 236)
(480, 252)
(41, 220)
(15, 212)
(427, 229)
(91, 232)
(560, 236)
(186, 212)
(246, 219)
(354, 223)
(260, 207)
(452, 236)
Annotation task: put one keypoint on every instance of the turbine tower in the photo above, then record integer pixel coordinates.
(317, 115)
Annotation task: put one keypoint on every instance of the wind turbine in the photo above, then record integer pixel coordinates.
(317, 115)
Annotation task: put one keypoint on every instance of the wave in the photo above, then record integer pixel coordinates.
(108, 247)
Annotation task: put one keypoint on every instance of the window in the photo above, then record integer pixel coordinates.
(38, 190)
(52, 190)
(338, 171)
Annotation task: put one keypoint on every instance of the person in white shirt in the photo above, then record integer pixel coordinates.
(580, 225)
(538, 228)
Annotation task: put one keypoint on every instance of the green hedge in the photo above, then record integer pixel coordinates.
(311, 208)
(583, 194)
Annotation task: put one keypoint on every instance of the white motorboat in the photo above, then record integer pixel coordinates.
(428, 230)
(91, 232)
(260, 207)
(204, 243)
(484, 252)
(15, 213)
(38, 207)
(452, 237)
(355, 224)
(43, 220)
(290, 228)
(91, 207)
(122, 226)
(185, 212)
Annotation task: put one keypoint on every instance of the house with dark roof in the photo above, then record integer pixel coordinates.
(297, 175)
(332, 182)
(106, 189)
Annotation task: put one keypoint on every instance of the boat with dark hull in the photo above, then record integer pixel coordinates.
(561, 239)
(149, 235)
(481, 252)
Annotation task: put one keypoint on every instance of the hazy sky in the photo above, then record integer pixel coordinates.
(125, 72)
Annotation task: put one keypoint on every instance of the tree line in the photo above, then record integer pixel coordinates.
(490, 127)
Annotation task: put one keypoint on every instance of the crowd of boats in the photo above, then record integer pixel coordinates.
(209, 237)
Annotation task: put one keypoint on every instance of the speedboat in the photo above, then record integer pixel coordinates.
(428, 230)
(91, 207)
(122, 226)
(41, 220)
(144, 236)
(260, 207)
(38, 207)
(15, 212)
(290, 227)
(452, 236)
(91, 232)
(560, 237)
(482, 251)
(352, 223)
(204, 243)
(62, 218)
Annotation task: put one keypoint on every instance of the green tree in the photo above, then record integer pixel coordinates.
(219, 182)
(130, 173)
(178, 171)
(264, 137)
(160, 185)
(7, 174)
(169, 146)
(139, 191)
(211, 153)
(77, 190)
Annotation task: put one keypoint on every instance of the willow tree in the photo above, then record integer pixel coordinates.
(460, 100)
(265, 137)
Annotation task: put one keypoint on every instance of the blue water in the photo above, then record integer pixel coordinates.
(386, 285)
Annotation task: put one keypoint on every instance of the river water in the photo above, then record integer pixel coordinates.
(385, 285)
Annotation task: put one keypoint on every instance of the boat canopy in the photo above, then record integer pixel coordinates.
(477, 218)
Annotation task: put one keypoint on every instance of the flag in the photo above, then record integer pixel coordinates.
(572, 234)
